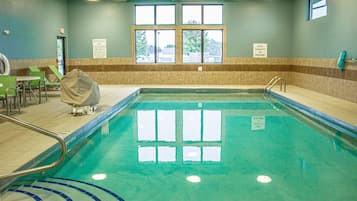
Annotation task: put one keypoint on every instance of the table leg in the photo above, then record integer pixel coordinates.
(39, 92)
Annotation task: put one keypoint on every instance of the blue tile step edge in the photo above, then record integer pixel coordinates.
(199, 90)
(326, 119)
(76, 137)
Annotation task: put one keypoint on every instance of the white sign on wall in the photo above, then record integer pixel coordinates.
(99, 48)
(260, 50)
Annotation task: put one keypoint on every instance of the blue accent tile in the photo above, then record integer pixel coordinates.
(35, 197)
(93, 185)
(64, 196)
(73, 187)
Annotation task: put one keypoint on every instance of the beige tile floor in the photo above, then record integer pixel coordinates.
(18, 145)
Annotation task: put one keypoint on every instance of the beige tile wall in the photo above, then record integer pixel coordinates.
(338, 87)
(25, 63)
(320, 62)
(226, 60)
(20, 66)
(186, 77)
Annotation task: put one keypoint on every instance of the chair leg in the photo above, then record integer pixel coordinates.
(18, 101)
(46, 93)
(7, 105)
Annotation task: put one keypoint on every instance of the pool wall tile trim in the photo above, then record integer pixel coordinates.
(319, 116)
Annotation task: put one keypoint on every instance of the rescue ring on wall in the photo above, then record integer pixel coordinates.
(4, 63)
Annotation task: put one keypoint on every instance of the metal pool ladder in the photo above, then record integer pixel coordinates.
(274, 81)
(44, 132)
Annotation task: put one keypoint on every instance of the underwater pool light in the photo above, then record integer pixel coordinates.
(193, 179)
(264, 179)
(99, 176)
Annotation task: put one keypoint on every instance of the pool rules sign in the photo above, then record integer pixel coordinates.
(99, 48)
(260, 50)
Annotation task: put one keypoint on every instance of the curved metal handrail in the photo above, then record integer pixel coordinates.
(273, 82)
(44, 132)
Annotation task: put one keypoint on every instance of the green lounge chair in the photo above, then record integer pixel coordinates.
(47, 82)
(55, 71)
(34, 69)
(8, 90)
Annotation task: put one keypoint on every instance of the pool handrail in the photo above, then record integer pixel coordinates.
(274, 81)
(32, 127)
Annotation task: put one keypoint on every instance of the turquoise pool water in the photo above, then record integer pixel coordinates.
(184, 147)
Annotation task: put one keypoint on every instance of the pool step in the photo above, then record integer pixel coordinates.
(59, 189)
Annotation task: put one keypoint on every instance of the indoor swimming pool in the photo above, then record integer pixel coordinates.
(202, 146)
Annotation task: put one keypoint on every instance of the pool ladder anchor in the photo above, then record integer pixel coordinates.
(274, 81)
(42, 131)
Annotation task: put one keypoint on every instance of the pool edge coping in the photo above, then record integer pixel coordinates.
(318, 116)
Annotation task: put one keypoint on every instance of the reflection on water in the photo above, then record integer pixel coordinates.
(105, 128)
(162, 127)
(258, 123)
(166, 126)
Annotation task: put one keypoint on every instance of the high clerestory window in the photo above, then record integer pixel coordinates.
(154, 14)
(317, 9)
(202, 14)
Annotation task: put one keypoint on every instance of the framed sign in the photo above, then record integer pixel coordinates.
(260, 50)
(99, 48)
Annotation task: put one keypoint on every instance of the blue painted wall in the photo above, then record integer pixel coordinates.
(247, 22)
(108, 19)
(34, 26)
(327, 36)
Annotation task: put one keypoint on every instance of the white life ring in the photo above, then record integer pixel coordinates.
(6, 64)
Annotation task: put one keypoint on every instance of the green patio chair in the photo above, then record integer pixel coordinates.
(47, 82)
(9, 90)
(55, 71)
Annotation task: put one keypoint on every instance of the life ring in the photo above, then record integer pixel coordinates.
(5, 62)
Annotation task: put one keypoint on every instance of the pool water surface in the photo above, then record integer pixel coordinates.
(213, 146)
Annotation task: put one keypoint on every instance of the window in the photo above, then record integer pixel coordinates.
(202, 14)
(317, 9)
(156, 34)
(154, 14)
(155, 46)
(202, 46)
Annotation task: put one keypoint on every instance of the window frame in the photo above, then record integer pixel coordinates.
(202, 30)
(202, 13)
(155, 14)
(156, 59)
(178, 27)
(310, 10)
